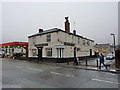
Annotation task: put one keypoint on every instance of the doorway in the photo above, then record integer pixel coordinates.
(40, 53)
(90, 52)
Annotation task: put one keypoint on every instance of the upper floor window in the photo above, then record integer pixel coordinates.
(34, 40)
(78, 40)
(72, 39)
(83, 42)
(49, 38)
(88, 43)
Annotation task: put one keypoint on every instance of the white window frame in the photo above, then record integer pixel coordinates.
(48, 50)
(78, 40)
(34, 40)
(83, 42)
(48, 38)
(60, 52)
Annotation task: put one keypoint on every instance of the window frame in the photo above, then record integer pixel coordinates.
(34, 40)
(48, 37)
(84, 42)
(48, 50)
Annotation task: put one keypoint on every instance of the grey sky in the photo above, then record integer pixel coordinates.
(94, 20)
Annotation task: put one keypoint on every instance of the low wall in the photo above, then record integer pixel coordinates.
(58, 60)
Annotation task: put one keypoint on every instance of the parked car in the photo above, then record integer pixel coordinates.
(110, 56)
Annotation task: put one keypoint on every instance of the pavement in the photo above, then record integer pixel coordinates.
(91, 65)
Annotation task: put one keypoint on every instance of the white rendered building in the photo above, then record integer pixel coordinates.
(57, 43)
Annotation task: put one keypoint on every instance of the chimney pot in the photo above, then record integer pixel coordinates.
(74, 32)
(40, 30)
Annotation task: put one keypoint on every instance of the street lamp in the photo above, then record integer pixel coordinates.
(113, 40)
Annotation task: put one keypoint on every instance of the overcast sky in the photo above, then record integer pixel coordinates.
(93, 20)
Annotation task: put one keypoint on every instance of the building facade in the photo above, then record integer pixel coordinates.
(104, 48)
(57, 43)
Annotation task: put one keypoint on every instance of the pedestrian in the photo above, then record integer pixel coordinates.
(68, 62)
(13, 55)
(102, 60)
(75, 61)
(78, 61)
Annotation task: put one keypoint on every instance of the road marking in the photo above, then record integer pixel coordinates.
(34, 69)
(56, 73)
(62, 74)
(70, 75)
(105, 81)
(30, 68)
(19, 66)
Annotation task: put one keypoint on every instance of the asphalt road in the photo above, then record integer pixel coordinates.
(25, 74)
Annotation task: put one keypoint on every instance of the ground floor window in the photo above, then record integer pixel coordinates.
(49, 52)
(34, 52)
(60, 52)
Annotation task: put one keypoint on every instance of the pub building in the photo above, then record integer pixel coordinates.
(59, 45)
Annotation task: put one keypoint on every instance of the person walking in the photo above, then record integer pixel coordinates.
(78, 60)
(75, 61)
(102, 60)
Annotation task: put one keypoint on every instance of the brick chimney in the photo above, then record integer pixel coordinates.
(67, 25)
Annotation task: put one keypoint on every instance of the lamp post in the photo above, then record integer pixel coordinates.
(113, 40)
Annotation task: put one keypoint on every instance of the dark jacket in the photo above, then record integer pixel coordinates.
(101, 59)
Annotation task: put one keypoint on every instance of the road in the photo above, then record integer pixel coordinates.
(26, 74)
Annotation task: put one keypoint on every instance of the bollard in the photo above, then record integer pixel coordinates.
(68, 62)
(97, 62)
(100, 66)
(86, 62)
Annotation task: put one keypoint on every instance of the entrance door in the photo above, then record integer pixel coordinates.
(90, 52)
(40, 54)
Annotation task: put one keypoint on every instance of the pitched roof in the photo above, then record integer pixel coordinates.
(56, 30)
(45, 32)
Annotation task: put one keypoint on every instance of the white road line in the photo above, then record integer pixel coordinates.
(56, 73)
(50, 72)
(30, 68)
(105, 81)
(62, 74)
(19, 66)
(70, 75)
(34, 69)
